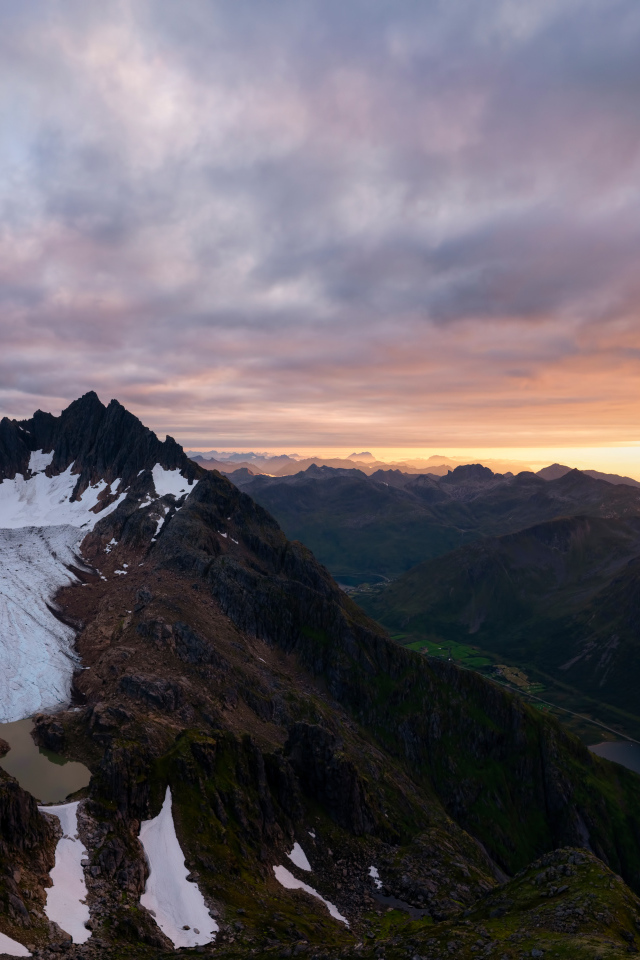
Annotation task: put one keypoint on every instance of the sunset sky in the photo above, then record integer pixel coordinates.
(406, 226)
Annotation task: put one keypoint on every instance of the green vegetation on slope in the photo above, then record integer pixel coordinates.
(561, 600)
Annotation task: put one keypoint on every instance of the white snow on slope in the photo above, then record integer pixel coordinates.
(39, 460)
(65, 899)
(11, 947)
(169, 481)
(36, 650)
(299, 857)
(373, 873)
(175, 901)
(40, 532)
(289, 881)
(44, 501)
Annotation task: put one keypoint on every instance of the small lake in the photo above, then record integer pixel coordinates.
(624, 752)
(47, 776)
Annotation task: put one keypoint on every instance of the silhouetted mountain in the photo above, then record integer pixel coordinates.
(556, 470)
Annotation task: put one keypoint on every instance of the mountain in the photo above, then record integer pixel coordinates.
(379, 526)
(556, 470)
(96, 442)
(560, 597)
(332, 793)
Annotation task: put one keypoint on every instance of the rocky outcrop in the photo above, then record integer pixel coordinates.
(48, 732)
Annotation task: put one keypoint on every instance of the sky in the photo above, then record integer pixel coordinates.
(404, 225)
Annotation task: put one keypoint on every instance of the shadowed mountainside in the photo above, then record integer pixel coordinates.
(561, 596)
(389, 522)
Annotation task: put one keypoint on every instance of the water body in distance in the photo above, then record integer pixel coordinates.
(624, 752)
(45, 775)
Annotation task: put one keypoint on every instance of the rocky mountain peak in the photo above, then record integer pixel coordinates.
(99, 442)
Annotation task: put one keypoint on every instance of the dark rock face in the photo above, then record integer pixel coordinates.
(23, 829)
(102, 443)
(49, 733)
(314, 754)
(156, 692)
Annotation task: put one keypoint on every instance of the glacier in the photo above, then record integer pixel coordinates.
(40, 535)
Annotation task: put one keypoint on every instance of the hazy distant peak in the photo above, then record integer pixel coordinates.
(469, 471)
(365, 456)
(553, 472)
(557, 470)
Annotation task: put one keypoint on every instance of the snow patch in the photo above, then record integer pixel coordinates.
(122, 572)
(44, 501)
(299, 857)
(39, 460)
(312, 834)
(66, 898)
(373, 872)
(12, 948)
(175, 901)
(112, 543)
(169, 481)
(222, 534)
(290, 883)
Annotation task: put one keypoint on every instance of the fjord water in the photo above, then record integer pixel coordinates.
(624, 752)
(47, 776)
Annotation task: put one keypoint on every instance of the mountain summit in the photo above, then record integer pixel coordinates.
(271, 775)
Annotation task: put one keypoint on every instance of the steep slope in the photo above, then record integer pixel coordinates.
(561, 596)
(361, 526)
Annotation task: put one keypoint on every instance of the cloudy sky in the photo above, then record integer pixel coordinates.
(291, 224)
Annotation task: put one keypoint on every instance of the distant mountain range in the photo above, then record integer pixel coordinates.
(378, 525)
(436, 465)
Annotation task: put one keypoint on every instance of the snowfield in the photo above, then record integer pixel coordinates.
(169, 481)
(66, 904)
(36, 650)
(177, 904)
(11, 947)
(44, 501)
(40, 533)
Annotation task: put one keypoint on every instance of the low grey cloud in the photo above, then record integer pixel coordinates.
(303, 222)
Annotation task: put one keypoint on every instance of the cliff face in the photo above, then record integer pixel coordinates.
(27, 844)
